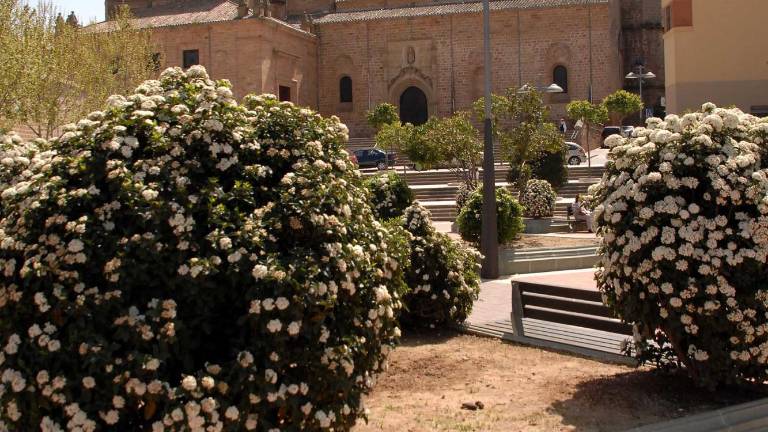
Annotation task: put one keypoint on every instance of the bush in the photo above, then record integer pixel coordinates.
(462, 195)
(442, 273)
(538, 199)
(519, 174)
(508, 210)
(381, 115)
(182, 262)
(684, 221)
(389, 195)
(550, 166)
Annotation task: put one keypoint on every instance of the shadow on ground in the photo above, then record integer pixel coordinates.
(642, 397)
(416, 336)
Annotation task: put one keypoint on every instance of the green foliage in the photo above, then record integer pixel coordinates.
(459, 144)
(521, 124)
(551, 167)
(389, 195)
(424, 147)
(395, 136)
(382, 114)
(538, 199)
(180, 251)
(587, 112)
(462, 195)
(442, 273)
(621, 104)
(509, 213)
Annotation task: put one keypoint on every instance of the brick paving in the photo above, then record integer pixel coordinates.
(495, 302)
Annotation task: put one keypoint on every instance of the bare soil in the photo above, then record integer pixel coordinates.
(524, 389)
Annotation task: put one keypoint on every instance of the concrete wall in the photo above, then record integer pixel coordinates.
(721, 58)
(448, 63)
(257, 55)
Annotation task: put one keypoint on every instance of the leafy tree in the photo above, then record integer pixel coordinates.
(521, 125)
(590, 114)
(621, 104)
(550, 166)
(424, 146)
(55, 73)
(382, 114)
(509, 215)
(459, 145)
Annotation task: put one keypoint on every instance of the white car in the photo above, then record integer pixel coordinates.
(575, 155)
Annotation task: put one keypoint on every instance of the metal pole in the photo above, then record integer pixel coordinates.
(489, 243)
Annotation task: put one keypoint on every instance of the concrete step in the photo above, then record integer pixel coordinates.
(542, 260)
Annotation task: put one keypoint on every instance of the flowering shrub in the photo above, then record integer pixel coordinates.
(182, 262)
(538, 199)
(683, 216)
(462, 195)
(509, 213)
(390, 195)
(442, 273)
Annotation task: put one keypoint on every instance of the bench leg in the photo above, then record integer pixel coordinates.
(517, 310)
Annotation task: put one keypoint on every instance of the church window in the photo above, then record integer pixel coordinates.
(191, 58)
(560, 77)
(345, 89)
(284, 93)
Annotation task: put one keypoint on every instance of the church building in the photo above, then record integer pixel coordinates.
(343, 57)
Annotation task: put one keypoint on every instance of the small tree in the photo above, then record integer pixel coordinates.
(551, 167)
(395, 136)
(521, 124)
(590, 114)
(424, 146)
(621, 104)
(509, 214)
(55, 72)
(382, 114)
(458, 142)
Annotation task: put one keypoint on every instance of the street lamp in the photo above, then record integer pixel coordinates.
(552, 88)
(489, 242)
(641, 77)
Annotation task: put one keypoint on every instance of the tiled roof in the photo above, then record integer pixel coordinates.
(190, 12)
(447, 9)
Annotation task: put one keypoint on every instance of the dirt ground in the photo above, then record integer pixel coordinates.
(523, 389)
(529, 241)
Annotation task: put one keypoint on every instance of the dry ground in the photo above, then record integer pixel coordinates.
(523, 389)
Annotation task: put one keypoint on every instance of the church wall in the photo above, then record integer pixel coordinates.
(447, 62)
(257, 55)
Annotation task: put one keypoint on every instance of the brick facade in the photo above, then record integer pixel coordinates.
(387, 46)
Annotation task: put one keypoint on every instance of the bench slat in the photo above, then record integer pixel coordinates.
(564, 330)
(577, 319)
(573, 293)
(566, 304)
(575, 341)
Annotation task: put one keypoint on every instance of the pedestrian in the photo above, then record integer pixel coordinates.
(563, 126)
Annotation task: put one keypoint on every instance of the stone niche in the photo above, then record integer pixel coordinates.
(410, 59)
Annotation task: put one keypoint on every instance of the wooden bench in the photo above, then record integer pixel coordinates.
(567, 319)
(574, 223)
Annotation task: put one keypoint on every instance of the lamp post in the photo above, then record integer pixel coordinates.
(489, 242)
(641, 77)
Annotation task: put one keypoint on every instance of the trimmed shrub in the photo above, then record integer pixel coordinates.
(684, 220)
(538, 199)
(389, 195)
(182, 262)
(551, 167)
(509, 213)
(442, 273)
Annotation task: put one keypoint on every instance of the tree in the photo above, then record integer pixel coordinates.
(590, 114)
(521, 125)
(382, 114)
(621, 104)
(56, 72)
(458, 143)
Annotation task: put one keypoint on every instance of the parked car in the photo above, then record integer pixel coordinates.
(575, 154)
(374, 157)
(624, 131)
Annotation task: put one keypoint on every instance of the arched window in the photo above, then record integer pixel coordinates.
(560, 77)
(345, 89)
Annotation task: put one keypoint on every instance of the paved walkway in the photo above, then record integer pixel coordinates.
(495, 302)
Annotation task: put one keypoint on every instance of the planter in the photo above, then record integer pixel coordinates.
(544, 226)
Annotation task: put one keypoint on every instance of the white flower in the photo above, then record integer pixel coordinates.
(293, 328)
(274, 325)
(232, 413)
(189, 383)
(89, 382)
(75, 246)
(260, 271)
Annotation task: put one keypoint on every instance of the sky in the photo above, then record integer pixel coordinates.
(86, 10)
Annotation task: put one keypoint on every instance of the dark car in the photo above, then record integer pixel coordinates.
(375, 158)
(624, 131)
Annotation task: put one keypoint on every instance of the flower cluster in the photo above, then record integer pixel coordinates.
(683, 214)
(442, 273)
(180, 261)
(538, 199)
(390, 195)
(508, 211)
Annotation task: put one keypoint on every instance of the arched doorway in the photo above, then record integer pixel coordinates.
(413, 106)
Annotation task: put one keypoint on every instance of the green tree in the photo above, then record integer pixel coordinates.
(621, 104)
(55, 72)
(382, 114)
(590, 114)
(458, 143)
(522, 126)
(395, 136)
